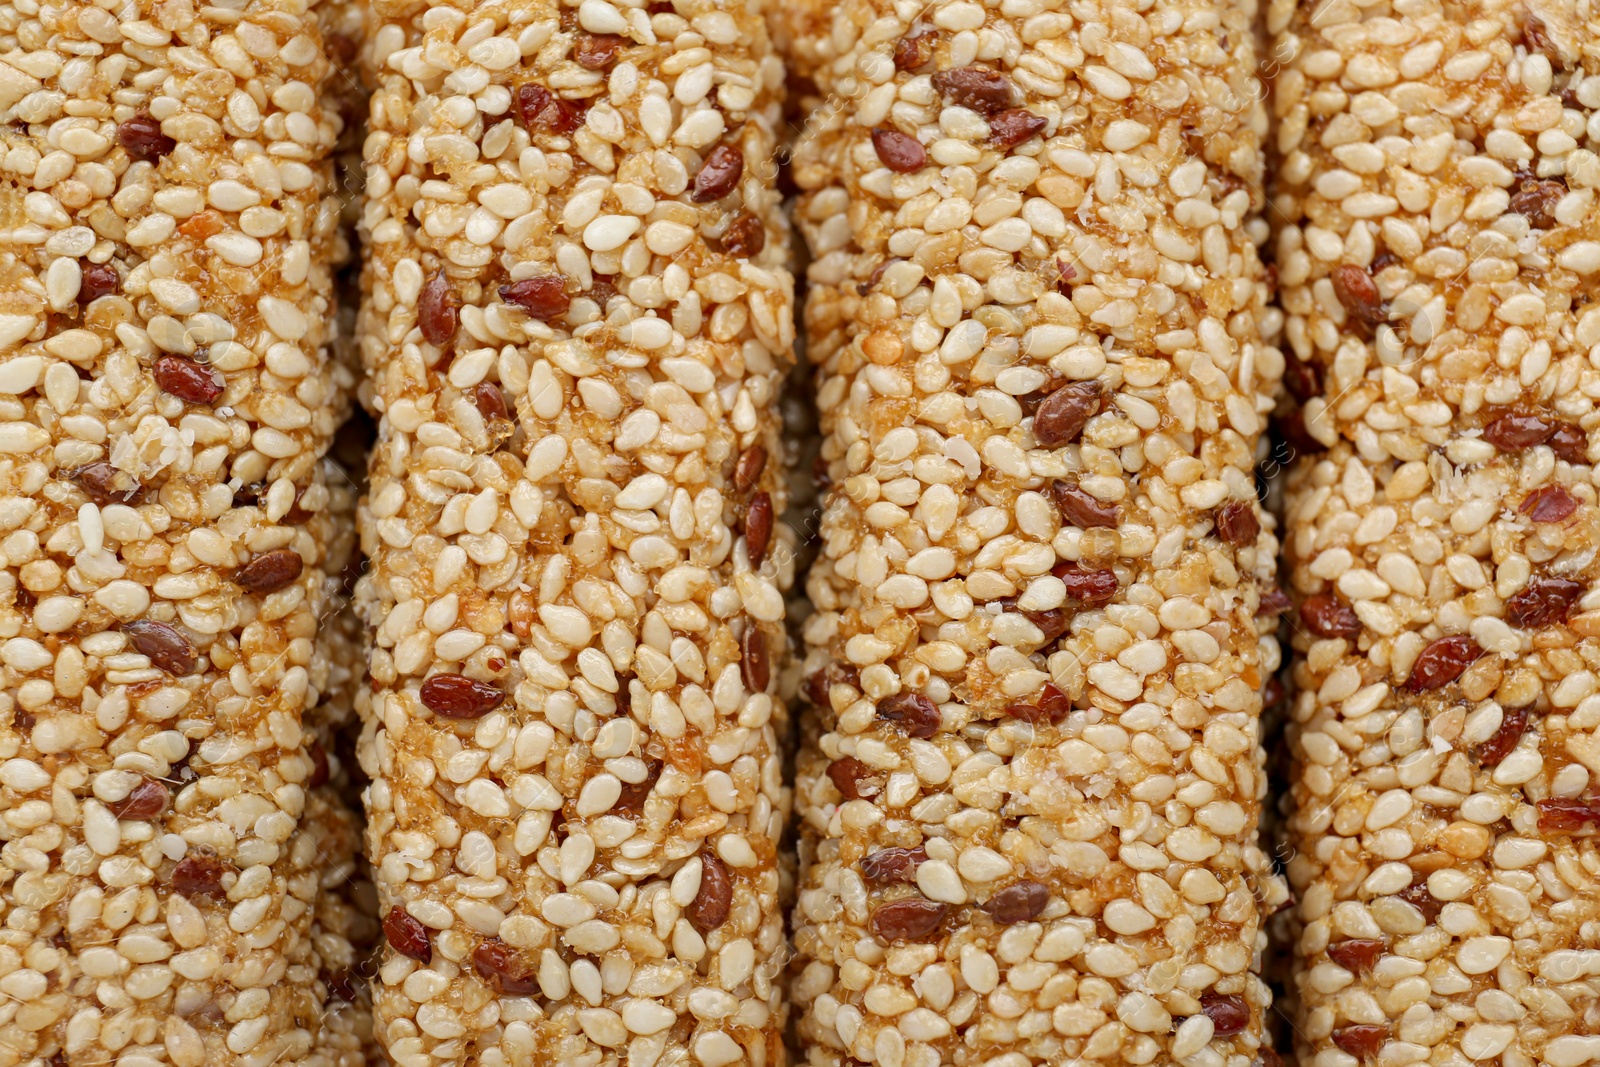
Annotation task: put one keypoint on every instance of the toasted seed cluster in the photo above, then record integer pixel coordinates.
(1031, 788)
(165, 398)
(1439, 255)
(577, 321)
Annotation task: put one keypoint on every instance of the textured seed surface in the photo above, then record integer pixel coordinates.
(1436, 771)
(579, 658)
(1067, 641)
(173, 339)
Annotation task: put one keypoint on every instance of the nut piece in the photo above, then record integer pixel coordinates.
(454, 696)
(1325, 616)
(106, 484)
(1359, 294)
(1442, 662)
(753, 659)
(1080, 508)
(912, 712)
(1229, 1015)
(908, 919)
(147, 800)
(200, 876)
(1357, 954)
(888, 866)
(1549, 503)
(898, 151)
(1019, 903)
(271, 571)
(978, 88)
(498, 964)
(438, 311)
(853, 778)
(715, 898)
(408, 936)
(165, 646)
(1013, 126)
(187, 380)
(915, 49)
(758, 527)
(1542, 601)
(544, 297)
(1237, 524)
(719, 174)
(1065, 412)
(142, 137)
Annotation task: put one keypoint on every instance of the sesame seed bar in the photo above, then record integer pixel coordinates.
(1438, 258)
(1033, 778)
(577, 322)
(165, 396)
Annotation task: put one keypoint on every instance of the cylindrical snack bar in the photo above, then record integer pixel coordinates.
(165, 396)
(1031, 794)
(577, 321)
(1438, 255)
